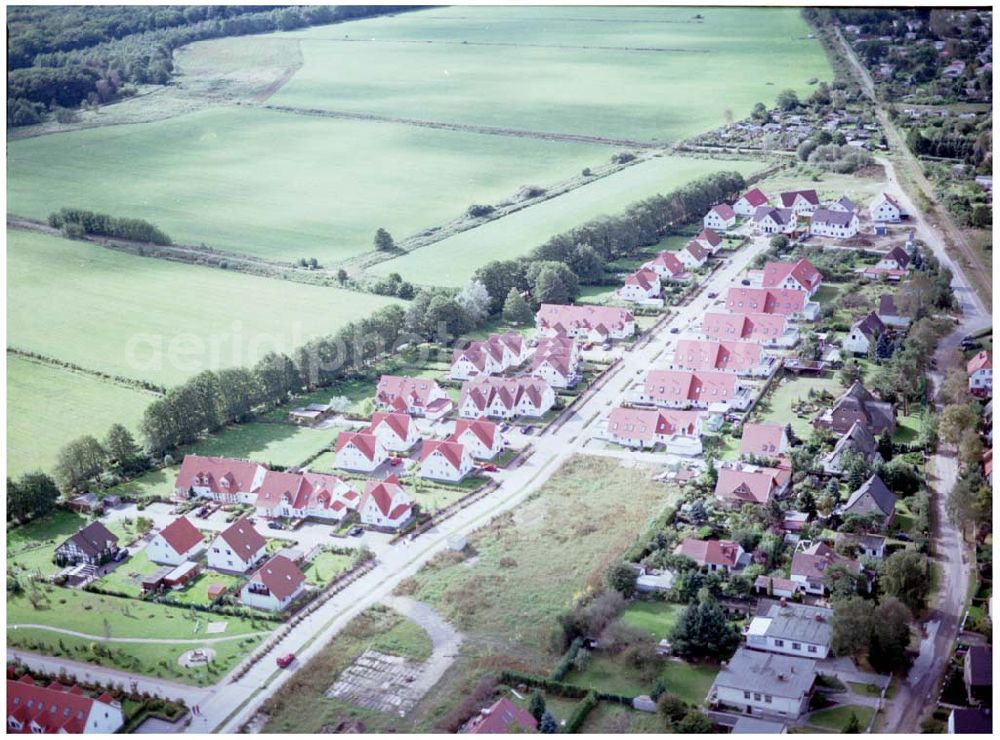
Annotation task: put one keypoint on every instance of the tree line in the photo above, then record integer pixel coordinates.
(76, 223)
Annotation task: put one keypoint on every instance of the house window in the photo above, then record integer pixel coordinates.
(767, 698)
(796, 646)
(779, 643)
(746, 694)
(756, 696)
(811, 648)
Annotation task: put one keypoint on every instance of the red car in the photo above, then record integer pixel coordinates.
(285, 660)
(394, 461)
(490, 468)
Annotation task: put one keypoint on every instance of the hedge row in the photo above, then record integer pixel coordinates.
(580, 712)
(560, 671)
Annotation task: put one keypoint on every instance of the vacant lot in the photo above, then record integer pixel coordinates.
(453, 260)
(544, 68)
(280, 185)
(48, 406)
(157, 320)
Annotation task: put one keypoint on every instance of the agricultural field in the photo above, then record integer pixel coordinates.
(452, 261)
(155, 320)
(567, 70)
(48, 406)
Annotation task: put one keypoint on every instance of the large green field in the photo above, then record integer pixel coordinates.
(453, 260)
(638, 73)
(48, 406)
(156, 320)
(281, 185)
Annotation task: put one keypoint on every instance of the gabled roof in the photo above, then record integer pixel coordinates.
(979, 661)
(54, 708)
(696, 250)
(365, 442)
(887, 306)
(788, 198)
(877, 491)
(485, 431)
(761, 439)
(695, 354)
(858, 400)
(887, 198)
(723, 211)
(754, 197)
(92, 539)
(550, 315)
(899, 255)
(278, 486)
(710, 552)
(871, 325)
(678, 386)
(645, 279)
(784, 301)
(755, 486)
(389, 497)
(753, 326)
(709, 237)
(780, 216)
(502, 718)
(668, 261)
(803, 272)
(800, 623)
(244, 540)
(972, 721)
(450, 449)
(981, 361)
(813, 562)
(281, 576)
(181, 535)
(416, 390)
(833, 218)
(482, 391)
(645, 424)
(859, 439)
(770, 673)
(398, 422)
(218, 474)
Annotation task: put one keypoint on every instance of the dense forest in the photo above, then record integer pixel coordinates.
(61, 57)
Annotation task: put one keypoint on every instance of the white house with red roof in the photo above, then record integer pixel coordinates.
(385, 504)
(59, 709)
(590, 323)
(360, 451)
(794, 305)
(767, 329)
(749, 202)
(720, 217)
(980, 370)
(767, 440)
(394, 429)
(642, 286)
(238, 548)
(750, 484)
(767, 220)
(678, 430)
(219, 478)
(447, 460)
(885, 209)
(176, 543)
(742, 358)
(668, 267)
(693, 256)
(275, 585)
(480, 437)
(708, 240)
(496, 354)
(801, 275)
(505, 398)
(802, 202)
(306, 496)
(556, 361)
(717, 556)
(416, 396)
(705, 389)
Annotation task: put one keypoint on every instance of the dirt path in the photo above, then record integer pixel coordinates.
(445, 639)
(143, 640)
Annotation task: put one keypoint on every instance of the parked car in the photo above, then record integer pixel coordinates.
(526, 429)
(904, 537)
(202, 512)
(713, 294)
(285, 660)
(744, 282)
(395, 461)
(490, 468)
(121, 555)
(356, 531)
(675, 330)
(275, 525)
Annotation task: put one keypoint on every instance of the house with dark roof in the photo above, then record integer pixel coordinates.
(92, 545)
(834, 224)
(976, 721)
(858, 405)
(810, 564)
(857, 440)
(872, 498)
(58, 709)
(767, 220)
(977, 673)
(895, 259)
(800, 201)
(502, 718)
(767, 684)
(275, 585)
(842, 205)
(238, 548)
(889, 314)
(720, 217)
(693, 255)
(176, 543)
(708, 240)
(792, 629)
(864, 334)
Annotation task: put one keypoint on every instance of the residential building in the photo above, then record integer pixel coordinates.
(843, 205)
(980, 370)
(708, 240)
(976, 721)
(764, 440)
(693, 256)
(834, 224)
(864, 334)
(890, 314)
(858, 440)
(306, 496)
(590, 323)
(885, 209)
(556, 361)
(720, 218)
(776, 587)
(176, 543)
(858, 405)
(794, 305)
(802, 202)
(641, 286)
(238, 548)
(717, 556)
(750, 484)
(480, 437)
(219, 478)
(667, 266)
(870, 546)
(359, 451)
(496, 354)
(895, 259)
(717, 391)
(59, 709)
(800, 275)
(91, 545)
(446, 460)
(756, 682)
(275, 585)
(311, 414)
(792, 629)
(742, 358)
(873, 498)
(767, 220)
(679, 431)
(749, 202)
(810, 564)
(502, 718)
(768, 329)
(415, 396)
(396, 430)
(505, 398)
(385, 504)
(977, 674)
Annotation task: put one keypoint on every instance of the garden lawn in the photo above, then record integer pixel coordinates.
(656, 618)
(609, 674)
(453, 260)
(614, 719)
(152, 319)
(196, 592)
(281, 185)
(277, 444)
(691, 682)
(778, 405)
(837, 718)
(31, 548)
(127, 577)
(325, 567)
(908, 428)
(148, 485)
(48, 406)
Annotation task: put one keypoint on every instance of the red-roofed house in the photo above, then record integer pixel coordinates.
(693, 256)
(395, 430)
(416, 396)
(794, 305)
(505, 398)
(720, 217)
(764, 439)
(707, 389)
(556, 361)
(480, 437)
(446, 460)
(750, 484)
(496, 354)
(57, 709)
(641, 286)
(742, 358)
(715, 555)
(801, 275)
(751, 200)
(980, 369)
(668, 267)
(306, 495)
(275, 585)
(219, 478)
(176, 543)
(679, 431)
(768, 329)
(504, 717)
(385, 504)
(708, 240)
(591, 323)
(885, 209)
(802, 202)
(237, 548)
(361, 451)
